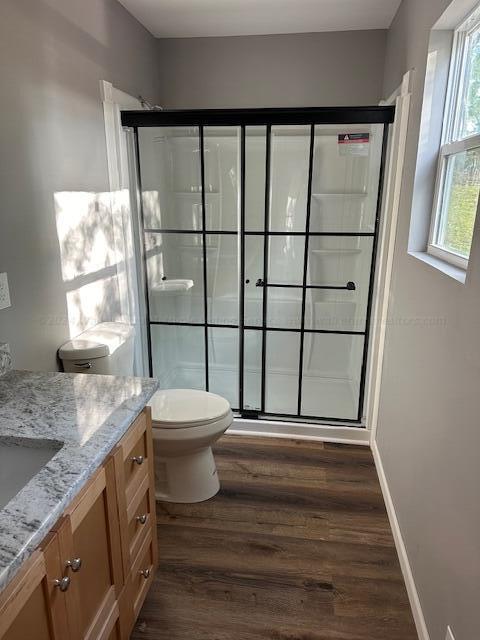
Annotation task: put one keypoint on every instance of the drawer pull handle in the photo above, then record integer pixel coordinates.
(145, 573)
(142, 519)
(75, 564)
(138, 459)
(62, 584)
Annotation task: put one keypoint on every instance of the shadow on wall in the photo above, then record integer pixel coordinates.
(94, 248)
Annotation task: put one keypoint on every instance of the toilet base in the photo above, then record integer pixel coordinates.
(187, 478)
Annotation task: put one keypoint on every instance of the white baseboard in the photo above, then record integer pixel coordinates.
(401, 549)
(300, 431)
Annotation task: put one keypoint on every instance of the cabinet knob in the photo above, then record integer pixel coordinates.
(62, 584)
(138, 459)
(75, 564)
(142, 519)
(145, 573)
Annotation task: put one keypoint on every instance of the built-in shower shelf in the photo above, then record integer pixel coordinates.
(359, 194)
(209, 247)
(335, 303)
(175, 285)
(343, 252)
(195, 193)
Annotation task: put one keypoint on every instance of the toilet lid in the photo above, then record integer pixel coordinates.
(99, 341)
(178, 408)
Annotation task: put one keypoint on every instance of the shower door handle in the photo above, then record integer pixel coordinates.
(350, 286)
(260, 283)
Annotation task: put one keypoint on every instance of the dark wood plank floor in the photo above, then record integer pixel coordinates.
(296, 546)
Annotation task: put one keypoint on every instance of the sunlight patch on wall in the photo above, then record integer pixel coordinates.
(93, 232)
(85, 232)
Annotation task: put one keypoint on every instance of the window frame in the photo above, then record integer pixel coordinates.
(451, 142)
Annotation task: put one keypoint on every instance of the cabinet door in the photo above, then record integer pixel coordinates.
(90, 550)
(33, 607)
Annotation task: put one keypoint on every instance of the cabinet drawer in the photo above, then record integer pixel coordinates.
(139, 518)
(136, 490)
(142, 574)
(135, 453)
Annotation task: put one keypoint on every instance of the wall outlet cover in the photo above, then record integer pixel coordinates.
(449, 635)
(4, 292)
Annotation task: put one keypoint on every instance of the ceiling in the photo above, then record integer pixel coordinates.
(195, 18)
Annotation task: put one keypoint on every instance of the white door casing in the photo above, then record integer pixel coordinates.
(124, 215)
(387, 234)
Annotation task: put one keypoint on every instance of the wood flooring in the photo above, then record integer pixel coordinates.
(296, 546)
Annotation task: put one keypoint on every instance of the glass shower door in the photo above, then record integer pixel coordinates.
(259, 245)
(174, 245)
(190, 198)
(324, 185)
(222, 201)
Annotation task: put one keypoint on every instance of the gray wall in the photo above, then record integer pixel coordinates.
(312, 69)
(428, 433)
(52, 139)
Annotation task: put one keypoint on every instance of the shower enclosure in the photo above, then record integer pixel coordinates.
(259, 231)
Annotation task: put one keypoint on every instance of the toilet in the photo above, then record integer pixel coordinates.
(106, 348)
(186, 423)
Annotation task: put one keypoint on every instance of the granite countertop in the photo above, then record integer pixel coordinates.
(84, 416)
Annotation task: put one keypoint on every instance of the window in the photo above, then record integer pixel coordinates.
(458, 175)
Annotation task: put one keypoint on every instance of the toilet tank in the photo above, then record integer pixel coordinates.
(106, 348)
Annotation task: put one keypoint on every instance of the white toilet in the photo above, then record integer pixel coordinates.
(106, 348)
(186, 423)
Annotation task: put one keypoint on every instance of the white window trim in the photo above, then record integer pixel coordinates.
(451, 145)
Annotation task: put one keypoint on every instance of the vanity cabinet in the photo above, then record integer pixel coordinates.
(88, 579)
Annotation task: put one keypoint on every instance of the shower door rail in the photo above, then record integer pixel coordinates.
(268, 118)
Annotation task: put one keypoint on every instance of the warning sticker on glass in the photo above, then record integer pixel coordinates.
(353, 144)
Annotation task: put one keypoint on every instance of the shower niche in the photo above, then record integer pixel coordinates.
(259, 231)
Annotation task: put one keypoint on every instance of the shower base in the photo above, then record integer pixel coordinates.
(322, 397)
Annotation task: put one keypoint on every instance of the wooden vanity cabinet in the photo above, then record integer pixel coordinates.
(88, 579)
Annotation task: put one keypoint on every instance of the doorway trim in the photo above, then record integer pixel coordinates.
(115, 101)
(387, 235)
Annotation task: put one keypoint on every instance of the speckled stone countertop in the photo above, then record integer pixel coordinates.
(85, 415)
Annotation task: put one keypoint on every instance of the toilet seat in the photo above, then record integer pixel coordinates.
(187, 408)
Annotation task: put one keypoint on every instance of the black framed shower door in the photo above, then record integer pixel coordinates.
(260, 231)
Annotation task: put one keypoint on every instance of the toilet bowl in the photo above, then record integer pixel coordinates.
(186, 423)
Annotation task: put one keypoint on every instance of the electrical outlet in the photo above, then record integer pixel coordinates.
(4, 292)
(449, 635)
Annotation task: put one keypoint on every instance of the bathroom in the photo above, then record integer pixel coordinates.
(243, 210)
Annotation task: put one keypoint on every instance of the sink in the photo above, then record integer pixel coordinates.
(20, 460)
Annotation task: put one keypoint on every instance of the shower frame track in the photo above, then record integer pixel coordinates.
(267, 117)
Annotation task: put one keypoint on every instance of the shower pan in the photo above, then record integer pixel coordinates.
(259, 232)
